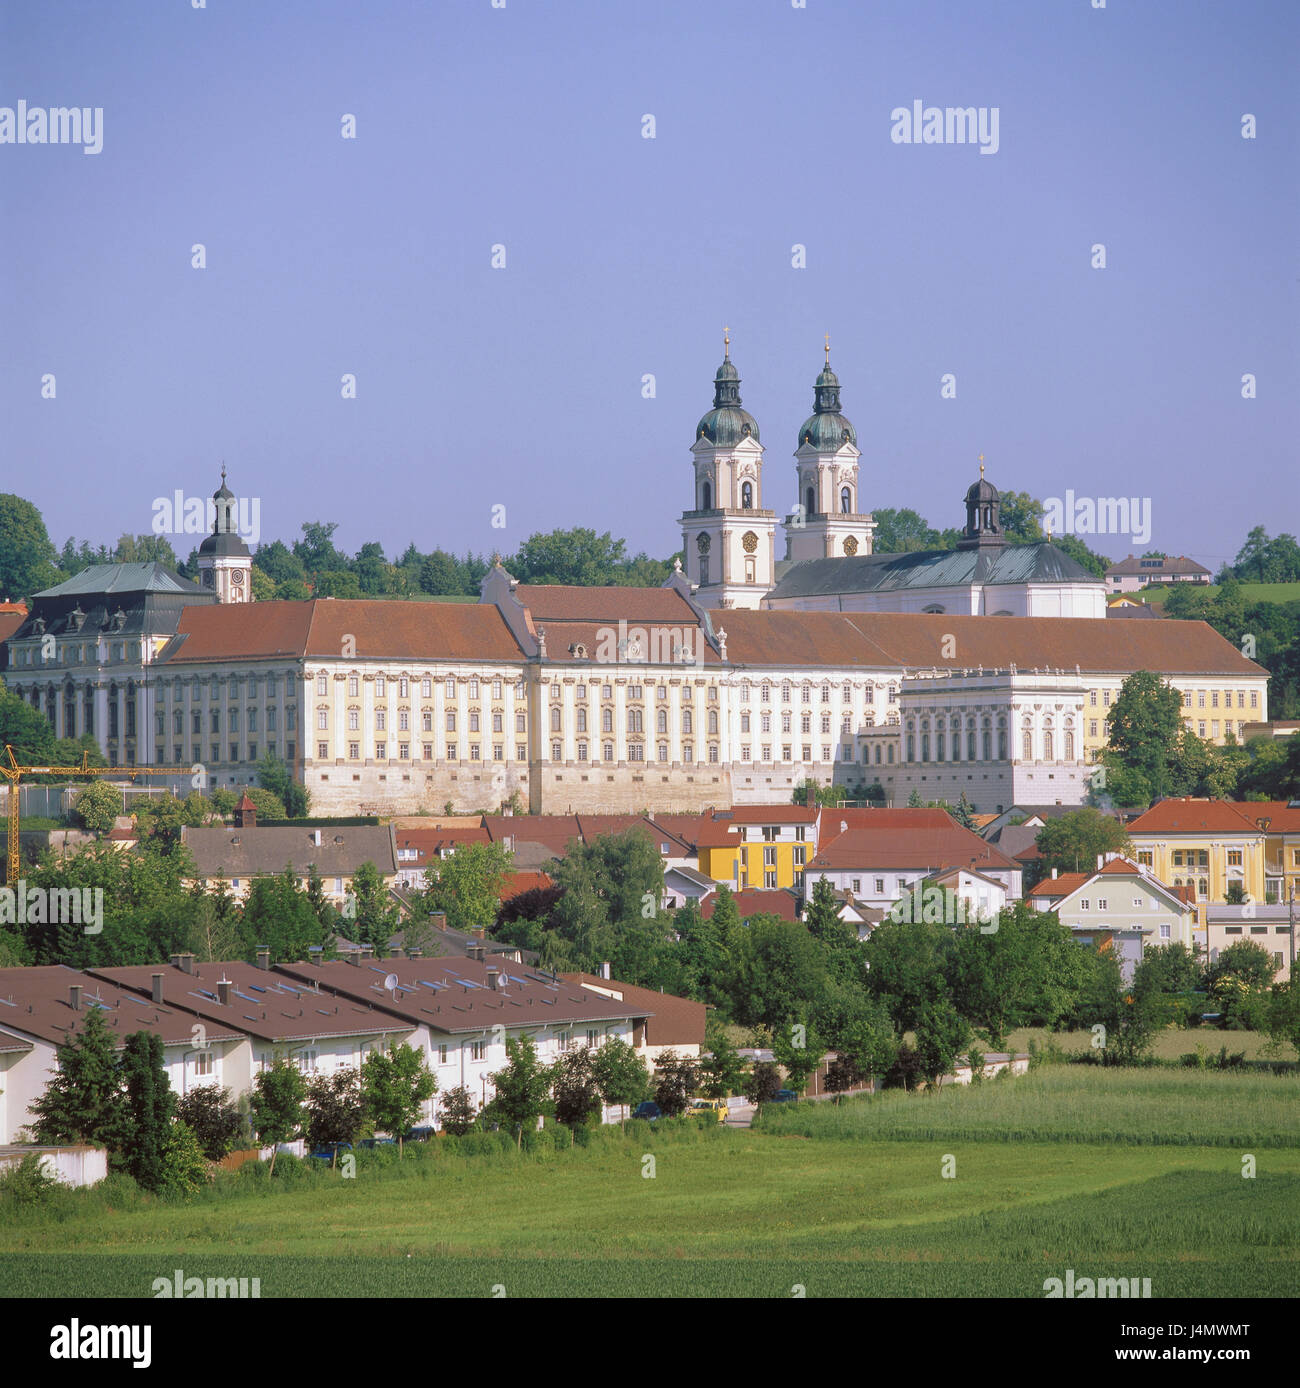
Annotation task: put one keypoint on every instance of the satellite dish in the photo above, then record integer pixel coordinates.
(390, 982)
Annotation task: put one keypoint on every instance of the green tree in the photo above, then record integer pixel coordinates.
(908, 963)
(675, 1080)
(336, 1108)
(212, 1116)
(267, 805)
(1283, 1017)
(98, 807)
(941, 1033)
(723, 1069)
(577, 556)
(276, 1106)
(777, 972)
(148, 1109)
(964, 813)
(467, 884)
(521, 1087)
(395, 1086)
(183, 1167)
(800, 1052)
(1144, 726)
(456, 1112)
(26, 554)
(844, 953)
(1074, 841)
(575, 1089)
(371, 914)
(279, 917)
(763, 1085)
(83, 1100)
(620, 1075)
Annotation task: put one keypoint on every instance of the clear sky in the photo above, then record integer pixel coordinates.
(523, 126)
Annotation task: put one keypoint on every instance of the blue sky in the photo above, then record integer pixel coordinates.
(522, 386)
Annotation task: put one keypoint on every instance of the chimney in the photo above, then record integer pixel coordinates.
(492, 976)
(1101, 861)
(605, 970)
(157, 987)
(223, 991)
(74, 997)
(476, 952)
(367, 951)
(1053, 874)
(185, 963)
(174, 960)
(354, 957)
(263, 958)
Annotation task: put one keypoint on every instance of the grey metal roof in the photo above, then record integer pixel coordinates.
(122, 578)
(1041, 562)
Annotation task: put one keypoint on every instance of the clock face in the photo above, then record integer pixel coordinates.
(237, 578)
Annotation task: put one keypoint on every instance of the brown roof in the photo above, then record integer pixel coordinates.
(267, 849)
(262, 1004)
(1060, 886)
(553, 831)
(663, 643)
(37, 1001)
(673, 1021)
(516, 883)
(757, 901)
(918, 641)
(911, 848)
(428, 842)
(569, 603)
(1176, 564)
(380, 630)
(1196, 817)
(452, 994)
(833, 816)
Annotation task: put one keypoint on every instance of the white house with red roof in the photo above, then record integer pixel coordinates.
(1121, 907)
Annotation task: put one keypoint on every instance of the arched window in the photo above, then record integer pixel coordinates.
(810, 501)
(925, 746)
(1002, 744)
(970, 740)
(661, 721)
(988, 745)
(846, 501)
(607, 720)
(713, 720)
(582, 720)
(911, 747)
(1027, 746)
(1048, 746)
(890, 756)
(706, 497)
(747, 496)
(634, 720)
(877, 754)
(555, 720)
(1069, 746)
(686, 721)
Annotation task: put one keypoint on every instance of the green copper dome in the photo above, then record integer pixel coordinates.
(826, 429)
(726, 424)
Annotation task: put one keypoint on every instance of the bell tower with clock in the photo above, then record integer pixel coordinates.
(225, 565)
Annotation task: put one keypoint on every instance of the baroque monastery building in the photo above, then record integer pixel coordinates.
(732, 684)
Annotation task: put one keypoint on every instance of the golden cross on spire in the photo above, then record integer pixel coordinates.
(981, 465)
(828, 349)
(726, 343)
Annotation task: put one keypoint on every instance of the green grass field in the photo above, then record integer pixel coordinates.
(1250, 592)
(1169, 1044)
(1111, 1173)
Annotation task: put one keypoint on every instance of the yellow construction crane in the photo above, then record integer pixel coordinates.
(13, 773)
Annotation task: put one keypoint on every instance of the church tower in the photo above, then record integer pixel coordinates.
(729, 540)
(826, 522)
(224, 563)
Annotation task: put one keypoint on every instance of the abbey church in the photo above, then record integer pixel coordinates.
(829, 562)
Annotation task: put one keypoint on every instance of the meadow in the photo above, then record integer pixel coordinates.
(1108, 1172)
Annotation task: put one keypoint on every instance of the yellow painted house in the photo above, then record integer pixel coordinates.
(1221, 845)
(757, 846)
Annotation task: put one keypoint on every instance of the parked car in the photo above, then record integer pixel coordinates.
(718, 1107)
(648, 1109)
(785, 1096)
(373, 1142)
(418, 1135)
(327, 1151)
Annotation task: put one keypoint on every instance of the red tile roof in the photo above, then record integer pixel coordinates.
(1056, 887)
(1196, 817)
(569, 603)
(909, 849)
(918, 641)
(516, 883)
(553, 831)
(757, 901)
(837, 820)
(379, 630)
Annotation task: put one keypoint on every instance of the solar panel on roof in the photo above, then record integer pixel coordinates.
(435, 986)
(257, 988)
